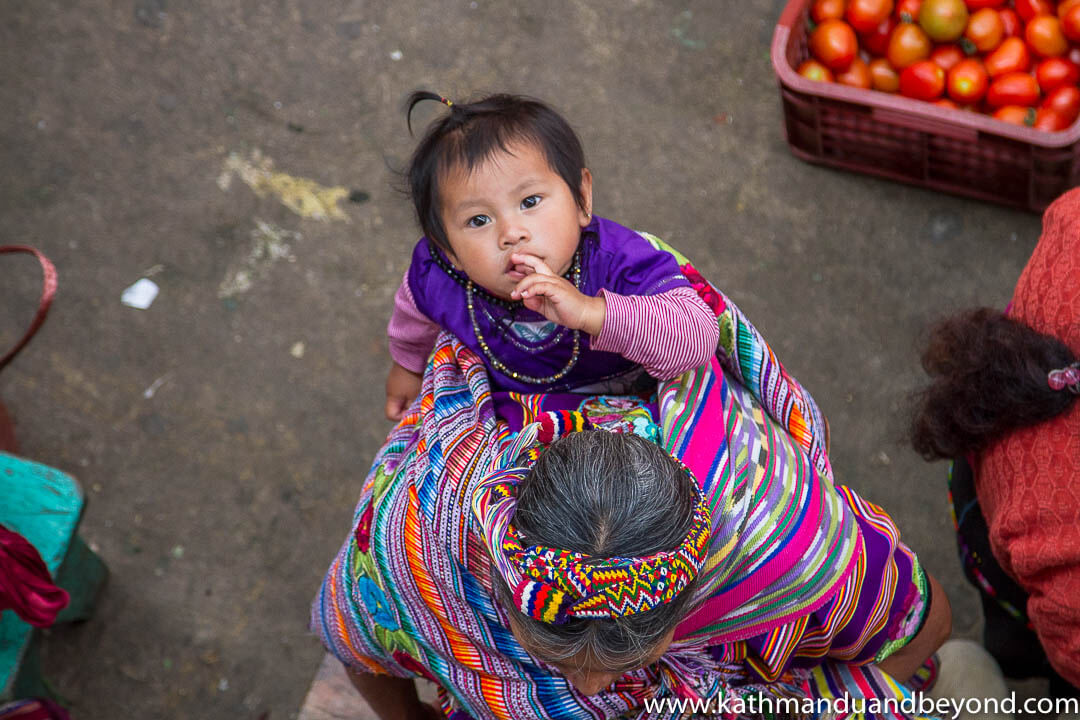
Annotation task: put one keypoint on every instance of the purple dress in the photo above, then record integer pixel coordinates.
(613, 258)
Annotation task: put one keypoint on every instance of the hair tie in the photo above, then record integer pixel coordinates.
(447, 103)
(1068, 376)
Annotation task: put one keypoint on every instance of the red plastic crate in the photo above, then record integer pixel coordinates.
(913, 141)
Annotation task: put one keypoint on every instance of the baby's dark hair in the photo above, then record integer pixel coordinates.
(988, 376)
(471, 133)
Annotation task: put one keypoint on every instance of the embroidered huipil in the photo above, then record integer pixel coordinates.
(654, 319)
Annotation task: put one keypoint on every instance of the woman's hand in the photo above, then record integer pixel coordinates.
(402, 387)
(556, 298)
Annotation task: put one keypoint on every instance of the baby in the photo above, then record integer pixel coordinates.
(517, 267)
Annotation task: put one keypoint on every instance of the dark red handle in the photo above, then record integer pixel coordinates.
(48, 290)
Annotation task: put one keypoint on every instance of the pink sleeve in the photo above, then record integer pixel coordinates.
(667, 334)
(412, 334)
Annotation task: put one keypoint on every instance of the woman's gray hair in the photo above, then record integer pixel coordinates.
(603, 494)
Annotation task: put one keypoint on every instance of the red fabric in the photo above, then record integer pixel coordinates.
(25, 585)
(1028, 483)
(34, 709)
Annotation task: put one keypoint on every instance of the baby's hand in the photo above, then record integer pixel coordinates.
(556, 298)
(402, 387)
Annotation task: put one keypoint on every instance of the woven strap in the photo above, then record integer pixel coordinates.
(48, 290)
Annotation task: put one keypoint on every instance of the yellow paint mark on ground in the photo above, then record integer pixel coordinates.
(303, 196)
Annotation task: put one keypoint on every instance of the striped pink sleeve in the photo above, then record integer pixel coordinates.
(667, 334)
(412, 334)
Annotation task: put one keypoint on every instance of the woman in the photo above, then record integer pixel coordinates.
(1002, 403)
(532, 567)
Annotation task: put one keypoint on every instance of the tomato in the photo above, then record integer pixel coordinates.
(876, 42)
(908, 10)
(947, 56)
(943, 20)
(924, 80)
(883, 76)
(865, 15)
(1066, 101)
(1028, 9)
(974, 5)
(834, 44)
(823, 10)
(1010, 22)
(1050, 120)
(1065, 6)
(907, 45)
(1070, 22)
(813, 70)
(1017, 88)
(985, 29)
(1011, 56)
(1052, 73)
(857, 75)
(1045, 37)
(946, 103)
(967, 81)
(1016, 114)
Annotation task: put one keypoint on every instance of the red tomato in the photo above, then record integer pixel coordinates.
(908, 10)
(946, 103)
(924, 80)
(1074, 55)
(1065, 6)
(1052, 73)
(876, 42)
(813, 70)
(985, 29)
(858, 75)
(974, 5)
(834, 44)
(1028, 9)
(943, 20)
(947, 56)
(908, 45)
(1050, 120)
(823, 10)
(1010, 22)
(1016, 114)
(1017, 88)
(865, 15)
(1066, 101)
(1011, 56)
(1070, 22)
(967, 81)
(883, 76)
(1045, 37)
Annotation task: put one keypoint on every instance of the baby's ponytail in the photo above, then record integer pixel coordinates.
(989, 375)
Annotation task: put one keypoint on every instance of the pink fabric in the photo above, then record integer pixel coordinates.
(25, 584)
(667, 334)
(412, 334)
(33, 709)
(1027, 481)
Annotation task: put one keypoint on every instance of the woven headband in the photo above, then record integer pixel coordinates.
(553, 585)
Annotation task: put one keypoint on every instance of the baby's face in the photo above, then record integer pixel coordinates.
(513, 203)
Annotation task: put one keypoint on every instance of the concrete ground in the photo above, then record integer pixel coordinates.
(222, 434)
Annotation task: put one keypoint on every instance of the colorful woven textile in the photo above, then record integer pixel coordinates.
(552, 584)
(410, 591)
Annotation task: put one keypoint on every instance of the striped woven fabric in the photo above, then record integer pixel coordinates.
(410, 591)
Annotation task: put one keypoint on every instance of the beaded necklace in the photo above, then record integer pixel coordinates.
(471, 290)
